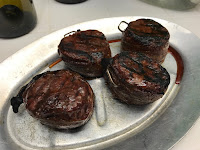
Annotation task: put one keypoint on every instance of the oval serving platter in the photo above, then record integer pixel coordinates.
(113, 124)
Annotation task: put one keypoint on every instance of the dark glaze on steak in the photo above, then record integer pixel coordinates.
(146, 36)
(83, 52)
(60, 99)
(136, 79)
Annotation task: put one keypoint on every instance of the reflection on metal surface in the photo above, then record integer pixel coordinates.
(100, 98)
(112, 121)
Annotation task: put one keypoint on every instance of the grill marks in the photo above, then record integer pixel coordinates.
(60, 99)
(136, 79)
(148, 37)
(18, 100)
(85, 36)
(149, 28)
(81, 53)
(85, 49)
(135, 65)
(83, 44)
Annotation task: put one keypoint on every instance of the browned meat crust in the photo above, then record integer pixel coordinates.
(83, 52)
(136, 79)
(146, 36)
(60, 99)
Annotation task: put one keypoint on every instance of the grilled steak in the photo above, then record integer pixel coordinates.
(135, 79)
(146, 36)
(60, 99)
(83, 52)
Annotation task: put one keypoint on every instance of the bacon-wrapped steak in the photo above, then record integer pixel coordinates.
(60, 99)
(146, 36)
(135, 79)
(83, 52)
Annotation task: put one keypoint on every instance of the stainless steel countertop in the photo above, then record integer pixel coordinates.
(53, 16)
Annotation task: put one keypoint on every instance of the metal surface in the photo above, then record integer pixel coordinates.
(112, 121)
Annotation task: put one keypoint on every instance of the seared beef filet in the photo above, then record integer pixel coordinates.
(146, 36)
(83, 52)
(60, 99)
(136, 79)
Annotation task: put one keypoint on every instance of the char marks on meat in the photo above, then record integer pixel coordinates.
(146, 36)
(83, 52)
(60, 99)
(136, 79)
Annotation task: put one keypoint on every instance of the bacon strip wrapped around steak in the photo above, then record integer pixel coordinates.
(135, 79)
(60, 99)
(146, 36)
(83, 52)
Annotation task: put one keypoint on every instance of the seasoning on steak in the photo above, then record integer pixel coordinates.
(146, 36)
(60, 99)
(83, 52)
(136, 79)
